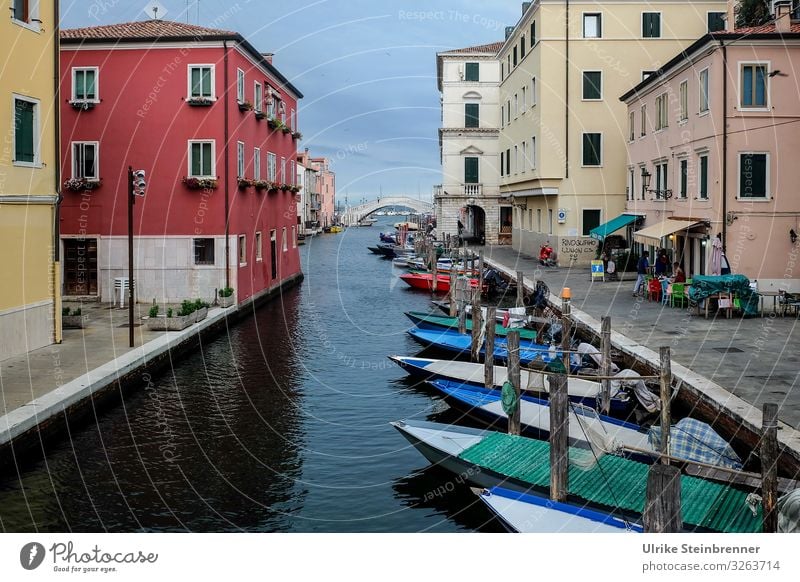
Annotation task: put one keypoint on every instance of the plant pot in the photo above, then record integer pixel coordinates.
(199, 102)
(164, 323)
(200, 314)
(227, 301)
(73, 321)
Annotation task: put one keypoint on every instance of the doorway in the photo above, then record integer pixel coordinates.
(80, 266)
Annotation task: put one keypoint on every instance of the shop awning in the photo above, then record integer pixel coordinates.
(652, 235)
(602, 231)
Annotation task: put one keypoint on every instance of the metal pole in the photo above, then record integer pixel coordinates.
(130, 255)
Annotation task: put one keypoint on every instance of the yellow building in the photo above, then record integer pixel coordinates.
(29, 173)
(564, 130)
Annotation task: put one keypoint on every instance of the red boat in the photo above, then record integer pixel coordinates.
(424, 281)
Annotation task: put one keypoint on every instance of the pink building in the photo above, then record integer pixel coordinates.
(712, 141)
(214, 125)
(326, 186)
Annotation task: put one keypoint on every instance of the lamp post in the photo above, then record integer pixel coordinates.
(645, 181)
(136, 186)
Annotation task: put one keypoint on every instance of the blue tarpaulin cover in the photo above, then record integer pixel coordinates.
(706, 285)
(693, 440)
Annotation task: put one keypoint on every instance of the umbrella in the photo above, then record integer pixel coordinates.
(716, 257)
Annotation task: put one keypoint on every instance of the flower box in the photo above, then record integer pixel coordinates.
(274, 123)
(297, 135)
(261, 185)
(164, 323)
(200, 314)
(82, 185)
(201, 183)
(260, 115)
(200, 101)
(245, 106)
(244, 183)
(74, 321)
(286, 129)
(82, 104)
(225, 302)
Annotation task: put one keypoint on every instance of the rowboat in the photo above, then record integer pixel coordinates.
(431, 321)
(612, 484)
(513, 312)
(534, 383)
(424, 281)
(376, 250)
(452, 341)
(535, 513)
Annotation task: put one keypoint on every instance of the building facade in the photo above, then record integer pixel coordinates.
(310, 205)
(715, 157)
(563, 129)
(326, 190)
(214, 125)
(468, 201)
(30, 309)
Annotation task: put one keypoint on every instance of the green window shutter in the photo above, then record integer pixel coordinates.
(471, 115)
(651, 25)
(196, 163)
(591, 84)
(716, 21)
(206, 82)
(533, 33)
(761, 86)
(704, 177)
(80, 85)
(472, 72)
(91, 83)
(684, 177)
(23, 131)
(515, 56)
(206, 159)
(508, 162)
(89, 170)
(522, 47)
(502, 163)
(470, 170)
(591, 149)
(753, 176)
(196, 82)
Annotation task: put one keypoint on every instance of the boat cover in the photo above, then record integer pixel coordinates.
(789, 512)
(704, 286)
(633, 379)
(693, 440)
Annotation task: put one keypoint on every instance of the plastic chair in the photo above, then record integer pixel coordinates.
(678, 294)
(653, 290)
(664, 291)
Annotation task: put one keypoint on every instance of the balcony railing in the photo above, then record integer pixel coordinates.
(437, 190)
(472, 189)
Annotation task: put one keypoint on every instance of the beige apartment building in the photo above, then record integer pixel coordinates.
(563, 130)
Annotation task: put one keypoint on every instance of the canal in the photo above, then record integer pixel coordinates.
(280, 424)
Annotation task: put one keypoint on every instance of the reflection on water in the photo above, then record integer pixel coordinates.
(280, 424)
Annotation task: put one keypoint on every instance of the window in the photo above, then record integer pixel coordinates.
(293, 171)
(533, 33)
(508, 162)
(515, 56)
(284, 241)
(592, 149)
(21, 11)
(283, 170)
(642, 192)
(471, 115)
(538, 220)
(201, 81)
(240, 85)
(631, 126)
(84, 84)
(662, 104)
(643, 131)
(592, 85)
(26, 12)
(26, 123)
(508, 111)
(294, 237)
(684, 165)
(472, 72)
(242, 250)
(661, 180)
(684, 94)
(753, 85)
(533, 152)
(293, 120)
(203, 251)
(270, 104)
(591, 219)
(273, 253)
(549, 221)
(631, 184)
(522, 47)
(524, 98)
(256, 163)
(201, 159)
(258, 247)
(702, 190)
(716, 21)
(271, 167)
(524, 156)
(502, 116)
(516, 105)
(240, 159)
(84, 160)
(502, 163)
(703, 90)
(516, 159)
(471, 170)
(592, 27)
(258, 98)
(753, 176)
(533, 91)
(502, 71)
(651, 25)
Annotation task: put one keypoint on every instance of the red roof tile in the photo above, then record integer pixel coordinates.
(768, 28)
(144, 29)
(481, 48)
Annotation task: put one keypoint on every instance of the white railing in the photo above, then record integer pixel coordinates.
(438, 190)
(472, 189)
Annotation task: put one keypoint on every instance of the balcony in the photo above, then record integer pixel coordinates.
(472, 190)
(438, 191)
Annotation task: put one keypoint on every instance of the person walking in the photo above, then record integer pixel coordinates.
(641, 269)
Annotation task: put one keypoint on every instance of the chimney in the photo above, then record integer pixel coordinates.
(730, 15)
(783, 16)
(268, 57)
(525, 6)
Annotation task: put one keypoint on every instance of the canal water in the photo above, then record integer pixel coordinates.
(279, 424)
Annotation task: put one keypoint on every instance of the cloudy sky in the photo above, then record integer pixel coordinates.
(367, 70)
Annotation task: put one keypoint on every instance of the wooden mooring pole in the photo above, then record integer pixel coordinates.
(488, 365)
(462, 307)
(477, 326)
(559, 411)
(662, 508)
(512, 345)
(769, 467)
(480, 272)
(434, 268)
(666, 402)
(453, 303)
(605, 370)
(520, 289)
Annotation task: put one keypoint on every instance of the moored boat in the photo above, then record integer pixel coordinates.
(424, 281)
(432, 321)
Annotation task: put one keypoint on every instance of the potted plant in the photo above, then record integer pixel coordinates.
(200, 310)
(260, 115)
(297, 135)
(275, 123)
(199, 101)
(245, 106)
(286, 129)
(243, 183)
(226, 298)
(261, 185)
(200, 183)
(274, 187)
(82, 185)
(296, 188)
(286, 187)
(72, 319)
(171, 322)
(82, 104)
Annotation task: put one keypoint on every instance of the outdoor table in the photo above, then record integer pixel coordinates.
(718, 297)
(774, 295)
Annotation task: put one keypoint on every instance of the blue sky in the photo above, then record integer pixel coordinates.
(367, 70)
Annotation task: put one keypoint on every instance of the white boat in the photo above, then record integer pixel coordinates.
(407, 225)
(534, 513)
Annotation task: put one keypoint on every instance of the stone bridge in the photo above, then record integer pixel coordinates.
(356, 213)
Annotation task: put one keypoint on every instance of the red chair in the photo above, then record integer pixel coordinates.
(654, 290)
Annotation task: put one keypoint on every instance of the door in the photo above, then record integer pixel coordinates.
(80, 266)
(470, 170)
(273, 252)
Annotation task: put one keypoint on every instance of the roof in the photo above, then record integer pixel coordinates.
(167, 31)
(763, 32)
(481, 48)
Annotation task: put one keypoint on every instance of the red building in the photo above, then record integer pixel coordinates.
(214, 125)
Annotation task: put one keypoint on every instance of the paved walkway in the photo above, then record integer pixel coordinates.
(756, 359)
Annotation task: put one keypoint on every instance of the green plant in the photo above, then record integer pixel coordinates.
(169, 312)
(226, 292)
(199, 304)
(77, 312)
(153, 311)
(187, 308)
(65, 311)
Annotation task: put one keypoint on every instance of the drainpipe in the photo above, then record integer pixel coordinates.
(724, 146)
(57, 331)
(226, 171)
(566, 94)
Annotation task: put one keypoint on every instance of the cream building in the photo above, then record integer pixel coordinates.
(29, 304)
(563, 129)
(468, 201)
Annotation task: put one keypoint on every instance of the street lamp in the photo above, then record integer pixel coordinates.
(136, 187)
(645, 181)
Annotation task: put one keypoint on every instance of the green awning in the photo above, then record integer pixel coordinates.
(602, 231)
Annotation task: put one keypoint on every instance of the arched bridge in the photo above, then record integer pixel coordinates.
(356, 213)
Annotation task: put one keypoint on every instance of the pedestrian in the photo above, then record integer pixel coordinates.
(641, 269)
(662, 264)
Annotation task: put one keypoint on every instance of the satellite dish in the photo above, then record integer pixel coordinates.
(155, 9)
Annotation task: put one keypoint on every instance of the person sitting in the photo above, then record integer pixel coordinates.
(546, 254)
(611, 270)
(678, 276)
